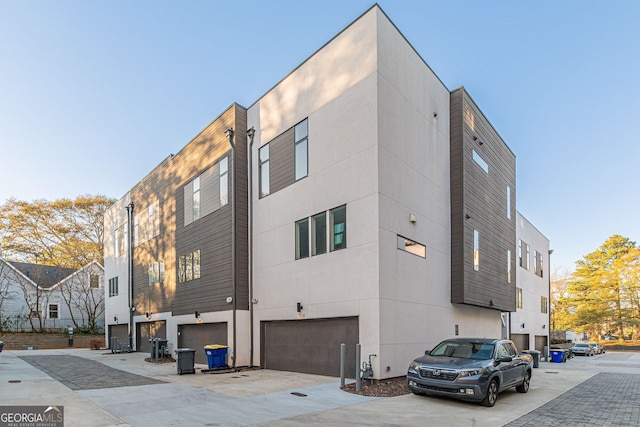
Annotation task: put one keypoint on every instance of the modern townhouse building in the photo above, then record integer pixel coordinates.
(372, 206)
(529, 323)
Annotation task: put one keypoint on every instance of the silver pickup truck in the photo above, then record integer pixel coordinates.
(473, 369)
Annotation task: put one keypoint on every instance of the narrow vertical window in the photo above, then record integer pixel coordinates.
(224, 181)
(302, 238)
(300, 133)
(263, 171)
(182, 269)
(161, 271)
(535, 262)
(508, 202)
(189, 267)
(543, 304)
(527, 257)
(196, 198)
(508, 265)
(116, 242)
(476, 250)
(520, 260)
(338, 224)
(196, 264)
(113, 286)
(518, 297)
(136, 231)
(319, 234)
(540, 265)
(150, 221)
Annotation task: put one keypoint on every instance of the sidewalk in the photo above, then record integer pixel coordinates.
(264, 397)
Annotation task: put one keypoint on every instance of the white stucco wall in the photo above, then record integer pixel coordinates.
(533, 287)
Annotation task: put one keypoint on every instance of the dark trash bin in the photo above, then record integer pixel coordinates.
(216, 355)
(536, 357)
(186, 361)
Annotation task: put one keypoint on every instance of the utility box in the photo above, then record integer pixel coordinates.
(186, 361)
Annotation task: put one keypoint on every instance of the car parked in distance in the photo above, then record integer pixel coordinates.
(472, 369)
(582, 349)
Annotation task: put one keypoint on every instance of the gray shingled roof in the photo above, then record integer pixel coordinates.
(44, 275)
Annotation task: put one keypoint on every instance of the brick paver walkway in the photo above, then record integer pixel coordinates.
(79, 373)
(606, 399)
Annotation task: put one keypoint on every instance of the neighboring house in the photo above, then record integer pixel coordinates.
(378, 207)
(529, 324)
(37, 297)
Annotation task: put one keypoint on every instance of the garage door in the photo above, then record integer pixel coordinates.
(148, 330)
(521, 341)
(121, 332)
(541, 342)
(310, 346)
(198, 335)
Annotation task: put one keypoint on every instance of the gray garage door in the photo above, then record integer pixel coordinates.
(310, 346)
(121, 332)
(521, 341)
(198, 335)
(148, 330)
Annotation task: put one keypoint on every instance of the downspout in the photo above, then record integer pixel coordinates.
(549, 321)
(229, 133)
(130, 270)
(250, 133)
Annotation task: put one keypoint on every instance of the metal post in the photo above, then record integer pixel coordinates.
(358, 381)
(343, 356)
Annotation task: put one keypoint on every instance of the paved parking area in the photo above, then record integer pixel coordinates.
(124, 390)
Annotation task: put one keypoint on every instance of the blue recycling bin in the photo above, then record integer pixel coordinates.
(216, 355)
(557, 356)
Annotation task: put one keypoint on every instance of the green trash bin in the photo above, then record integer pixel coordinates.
(216, 355)
(186, 361)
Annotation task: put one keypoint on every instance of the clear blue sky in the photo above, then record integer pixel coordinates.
(94, 94)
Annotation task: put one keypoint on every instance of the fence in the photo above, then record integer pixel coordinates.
(22, 323)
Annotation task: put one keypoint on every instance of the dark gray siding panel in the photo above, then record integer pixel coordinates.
(281, 161)
(310, 346)
(479, 203)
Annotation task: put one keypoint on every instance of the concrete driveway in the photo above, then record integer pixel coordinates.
(95, 390)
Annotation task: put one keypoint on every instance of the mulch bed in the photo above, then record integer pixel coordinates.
(381, 388)
(166, 359)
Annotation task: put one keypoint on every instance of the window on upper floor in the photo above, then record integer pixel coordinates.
(476, 250)
(301, 151)
(524, 252)
(338, 227)
(480, 161)
(527, 257)
(415, 248)
(146, 225)
(302, 238)
(53, 311)
(195, 184)
(263, 170)
(508, 265)
(537, 263)
(120, 237)
(94, 281)
(189, 266)
(518, 297)
(319, 234)
(156, 273)
(544, 304)
(508, 202)
(113, 286)
(223, 179)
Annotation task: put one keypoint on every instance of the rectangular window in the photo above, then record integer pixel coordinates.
(116, 242)
(182, 269)
(113, 286)
(224, 181)
(544, 303)
(319, 234)
(476, 250)
(480, 161)
(94, 281)
(189, 266)
(53, 311)
(263, 171)
(338, 224)
(527, 257)
(136, 231)
(508, 265)
(540, 265)
(535, 262)
(302, 238)
(508, 202)
(196, 264)
(196, 198)
(518, 297)
(154, 273)
(412, 247)
(301, 142)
